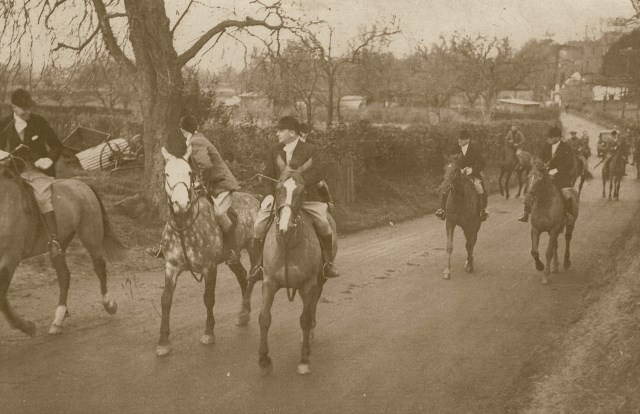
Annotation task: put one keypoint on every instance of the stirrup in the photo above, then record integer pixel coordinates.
(329, 275)
(54, 248)
(255, 274)
(484, 215)
(157, 253)
(233, 258)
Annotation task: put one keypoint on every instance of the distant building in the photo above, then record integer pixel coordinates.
(519, 92)
(518, 105)
(353, 102)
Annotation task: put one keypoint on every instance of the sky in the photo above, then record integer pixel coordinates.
(420, 21)
(426, 20)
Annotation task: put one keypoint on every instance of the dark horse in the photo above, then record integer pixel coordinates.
(580, 170)
(512, 163)
(293, 260)
(613, 169)
(192, 240)
(461, 210)
(79, 211)
(548, 215)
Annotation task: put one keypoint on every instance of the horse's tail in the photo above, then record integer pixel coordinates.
(112, 245)
(587, 175)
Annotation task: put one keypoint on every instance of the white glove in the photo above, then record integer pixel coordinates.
(267, 202)
(43, 163)
(553, 172)
(467, 170)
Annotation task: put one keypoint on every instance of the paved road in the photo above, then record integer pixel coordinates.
(392, 336)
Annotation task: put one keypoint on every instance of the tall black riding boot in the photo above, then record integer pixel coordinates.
(529, 198)
(326, 244)
(440, 213)
(255, 256)
(229, 239)
(52, 230)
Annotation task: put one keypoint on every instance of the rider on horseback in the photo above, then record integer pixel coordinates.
(41, 148)
(515, 140)
(557, 155)
(294, 153)
(471, 163)
(216, 178)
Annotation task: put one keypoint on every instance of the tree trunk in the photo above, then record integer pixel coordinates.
(161, 87)
(330, 86)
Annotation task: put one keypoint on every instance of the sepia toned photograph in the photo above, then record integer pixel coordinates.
(320, 206)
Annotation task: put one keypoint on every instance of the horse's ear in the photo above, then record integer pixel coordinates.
(166, 154)
(187, 154)
(306, 166)
(281, 163)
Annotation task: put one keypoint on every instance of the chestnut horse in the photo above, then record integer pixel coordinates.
(192, 240)
(293, 260)
(548, 215)
(520, 165)
(613, 169)
(461, 210)
(79, 211)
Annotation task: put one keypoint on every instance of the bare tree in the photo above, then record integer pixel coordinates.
(139, 35)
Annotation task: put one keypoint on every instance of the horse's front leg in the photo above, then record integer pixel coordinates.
(500, 180)
(268, 292)
(247, 289)
(471, 238)
(171, 274)
(64, 276)
(535, 242)
(309, 301)
(506, 184)
(210, 277)
(520, 183)
(552, 248)
(610, 187)
(604, 185)
(568, 234)
(450, 228)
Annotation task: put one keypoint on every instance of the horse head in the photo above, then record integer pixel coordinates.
(178, 181)
(289, 197)
(537, 173)
(452, 172)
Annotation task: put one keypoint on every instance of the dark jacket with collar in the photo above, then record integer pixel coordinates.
(473, 158)
(39, 137)
(562, 161)
(211, 168)
(302, 153)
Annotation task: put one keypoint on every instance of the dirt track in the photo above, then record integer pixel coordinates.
(392, 336)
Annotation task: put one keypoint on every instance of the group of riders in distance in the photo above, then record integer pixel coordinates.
(290, 235)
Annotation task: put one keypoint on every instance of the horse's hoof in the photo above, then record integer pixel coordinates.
(243, 319)
(207, 339)
(55, 329)
(544, 281)
(468, 267)
(567, 263)
(446, 275)
(303, 369)
(30, 329)
(111, 307)
(507, 196)
(539, 266)
(163, 350)
(555, 270)
(266, 367)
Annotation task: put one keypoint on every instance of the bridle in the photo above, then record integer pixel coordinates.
(191, 198)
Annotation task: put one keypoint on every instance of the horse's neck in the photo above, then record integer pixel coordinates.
(546, 192)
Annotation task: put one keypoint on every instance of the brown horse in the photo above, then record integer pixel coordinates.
(508, 164)
(522, 171)
(580, 170)
(548, 215)
(293, 260)
(613, 169)
(461, 210)
(79, 211)
(192, 240)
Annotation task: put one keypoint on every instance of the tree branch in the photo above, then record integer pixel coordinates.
(238, 24)
(109, 38)
(184, 13)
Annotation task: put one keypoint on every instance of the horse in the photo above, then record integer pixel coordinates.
(293, 260)
(508, 164)
(461, 210)
(79, 211)
(522, 170)
(192, 240)
(580, 170)
(548, 215)
(613, 169)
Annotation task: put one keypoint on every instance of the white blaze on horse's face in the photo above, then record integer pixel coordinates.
(177, 181)
(285, 214)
